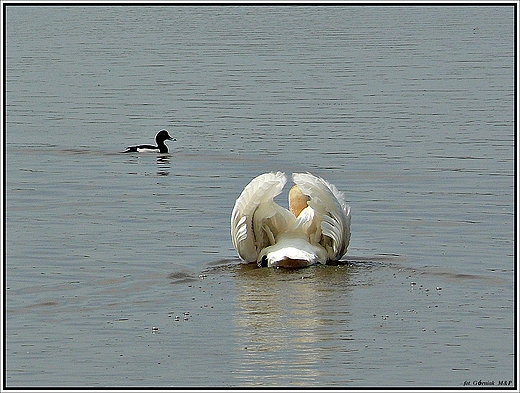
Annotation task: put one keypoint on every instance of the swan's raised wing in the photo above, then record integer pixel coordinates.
(331, 214)
(256, 219)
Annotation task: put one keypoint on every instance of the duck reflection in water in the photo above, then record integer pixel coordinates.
(163, 164)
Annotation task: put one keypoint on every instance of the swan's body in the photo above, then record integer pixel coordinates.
(315, 229)
(160, 148)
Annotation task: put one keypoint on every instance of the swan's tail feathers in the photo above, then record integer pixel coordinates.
(292, 251)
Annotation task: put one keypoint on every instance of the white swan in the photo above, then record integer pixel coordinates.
(315, 229)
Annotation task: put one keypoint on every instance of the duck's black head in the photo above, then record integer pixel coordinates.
(162, 136)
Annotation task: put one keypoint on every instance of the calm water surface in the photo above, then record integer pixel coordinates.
(409, 111)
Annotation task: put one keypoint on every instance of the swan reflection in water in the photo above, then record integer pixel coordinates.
(289, 321)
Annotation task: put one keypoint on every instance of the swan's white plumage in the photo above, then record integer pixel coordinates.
(260, 228)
